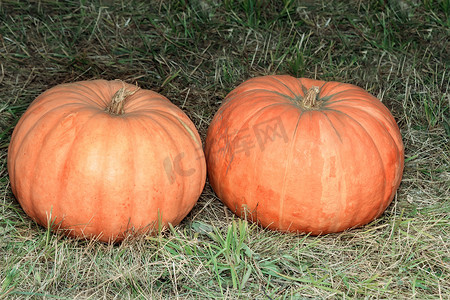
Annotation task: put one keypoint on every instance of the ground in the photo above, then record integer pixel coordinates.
(194, 53)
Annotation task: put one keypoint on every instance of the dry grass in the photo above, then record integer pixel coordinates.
(195, 53)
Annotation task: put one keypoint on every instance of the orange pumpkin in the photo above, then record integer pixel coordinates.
(304, 155)
(101, 158)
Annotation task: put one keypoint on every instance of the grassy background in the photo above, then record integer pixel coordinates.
(195, 53)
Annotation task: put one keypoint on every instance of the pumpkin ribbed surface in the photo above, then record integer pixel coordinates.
(316, 163)
(99, 172)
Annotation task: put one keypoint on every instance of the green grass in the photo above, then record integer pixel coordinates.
(195, 53)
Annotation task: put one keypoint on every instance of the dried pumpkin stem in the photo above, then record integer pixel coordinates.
(310, 99)
(118, 101)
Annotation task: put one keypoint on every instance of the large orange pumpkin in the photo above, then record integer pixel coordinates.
(304, 155)
(99, 158)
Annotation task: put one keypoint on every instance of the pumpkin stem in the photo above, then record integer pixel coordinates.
(310, 99)
(118, 101)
